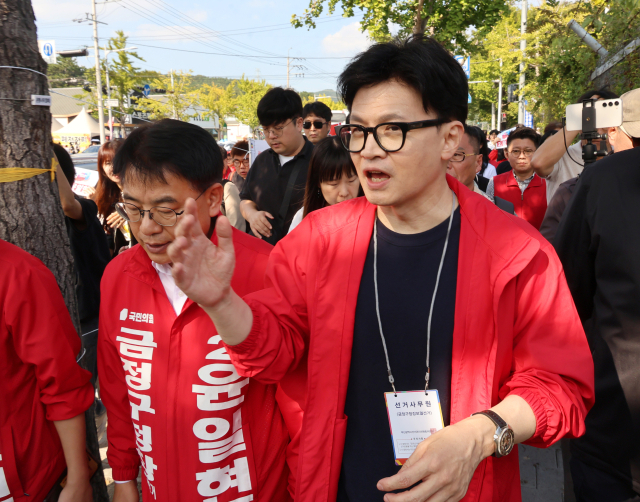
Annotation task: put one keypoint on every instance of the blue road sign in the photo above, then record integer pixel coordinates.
(465, 63)
(47, 49)
(146, 90)
(469, 100)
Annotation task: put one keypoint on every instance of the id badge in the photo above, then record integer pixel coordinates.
(413, 417)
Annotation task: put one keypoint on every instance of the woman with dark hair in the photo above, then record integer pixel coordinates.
(107, 194)
(331, 178)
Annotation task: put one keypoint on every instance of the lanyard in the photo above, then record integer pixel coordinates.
(433, 298)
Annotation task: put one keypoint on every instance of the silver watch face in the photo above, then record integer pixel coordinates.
(505, 442)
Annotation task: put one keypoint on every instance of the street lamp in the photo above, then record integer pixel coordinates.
(106, 59)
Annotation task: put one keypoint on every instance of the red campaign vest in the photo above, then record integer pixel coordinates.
(530, 205)
(176, 406)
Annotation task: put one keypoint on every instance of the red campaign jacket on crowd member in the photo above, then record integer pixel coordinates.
(493, 157)
(516, 333)
(175, 403)
(530, 205)
(40, 381)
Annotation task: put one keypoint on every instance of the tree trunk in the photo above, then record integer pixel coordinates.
(418, 25)
(31, 216)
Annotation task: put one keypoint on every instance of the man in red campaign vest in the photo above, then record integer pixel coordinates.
(43, 391)
(176, 406)
(436, 330)
(521, 186)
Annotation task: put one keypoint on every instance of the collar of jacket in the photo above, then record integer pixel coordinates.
(535, 182)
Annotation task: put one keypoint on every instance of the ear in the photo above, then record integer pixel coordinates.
(299, 122)
(478, 163)
(214, 197)
(612, 133)
(452, 134)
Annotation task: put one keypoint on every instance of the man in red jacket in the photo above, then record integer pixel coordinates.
(176, 406)
(43, 391)
(522, 186)
(414, 308)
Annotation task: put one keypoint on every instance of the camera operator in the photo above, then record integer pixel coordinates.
(597, 242)
(557, 160)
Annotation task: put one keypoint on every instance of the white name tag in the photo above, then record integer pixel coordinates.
(413, 417)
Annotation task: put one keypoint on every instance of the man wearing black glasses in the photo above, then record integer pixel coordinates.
(274, 188)
(176, 406)
(316, 123)
(434, 330)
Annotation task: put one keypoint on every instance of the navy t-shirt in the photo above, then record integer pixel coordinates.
(407, 269)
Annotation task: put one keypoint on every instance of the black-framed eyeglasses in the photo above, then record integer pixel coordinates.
(317, 124)
(163, 216)
(390, 136)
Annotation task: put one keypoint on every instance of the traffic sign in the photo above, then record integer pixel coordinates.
(469, 100)
(112, 103)
(146, 90)
(465, 63)
(48, 51)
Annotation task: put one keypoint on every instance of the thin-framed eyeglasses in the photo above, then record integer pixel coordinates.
(276, 131)
(163, 216)
(460, 156)
(527, 153)
(244, 162)
(317, 124)
(390, 136)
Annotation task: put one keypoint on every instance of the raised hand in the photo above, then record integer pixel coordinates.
(202, 270)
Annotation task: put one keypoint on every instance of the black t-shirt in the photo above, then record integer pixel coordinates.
(90, 250)
(407, 269)
(266, 184)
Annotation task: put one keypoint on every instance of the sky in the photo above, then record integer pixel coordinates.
(250, 37)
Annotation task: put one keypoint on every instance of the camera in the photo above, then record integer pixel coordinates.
(590, 116)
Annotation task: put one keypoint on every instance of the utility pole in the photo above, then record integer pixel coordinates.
(173, 96)
(523, 48)
(98, 72)
(500, 99)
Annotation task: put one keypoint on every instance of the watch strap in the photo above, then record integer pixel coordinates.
(494, 417)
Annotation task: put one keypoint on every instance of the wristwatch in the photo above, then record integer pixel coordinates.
(503, 437)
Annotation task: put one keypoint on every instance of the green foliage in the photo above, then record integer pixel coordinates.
(250, 92)
(65, 73)
(198, 81)
(217, 102)
(448, 21)
(176, 102)
(334, 105)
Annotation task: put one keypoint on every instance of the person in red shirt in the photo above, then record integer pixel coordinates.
(423, 295)
(43, 391)
(522, 186)
(176, 405)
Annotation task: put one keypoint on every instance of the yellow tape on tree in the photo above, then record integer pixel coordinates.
(9, 174)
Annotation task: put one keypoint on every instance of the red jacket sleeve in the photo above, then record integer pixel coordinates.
(122, 454)
(44, 336)
(280, 330)
(560, 390)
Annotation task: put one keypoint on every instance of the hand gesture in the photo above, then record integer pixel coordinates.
(202, 270)
(444, 462)
(114, 220)
(260, 225)
(91, 193)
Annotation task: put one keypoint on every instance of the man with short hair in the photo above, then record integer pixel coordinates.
(521, 186)
(420, 287)
(274, 188)
(466, 163)
(316, 123)
(557, 160)
(597, 242)
(239, 158)
(176, 406)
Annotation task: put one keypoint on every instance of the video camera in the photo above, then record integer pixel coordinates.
(590, 116)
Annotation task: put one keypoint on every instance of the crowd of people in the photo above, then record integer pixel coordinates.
(379, 314)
